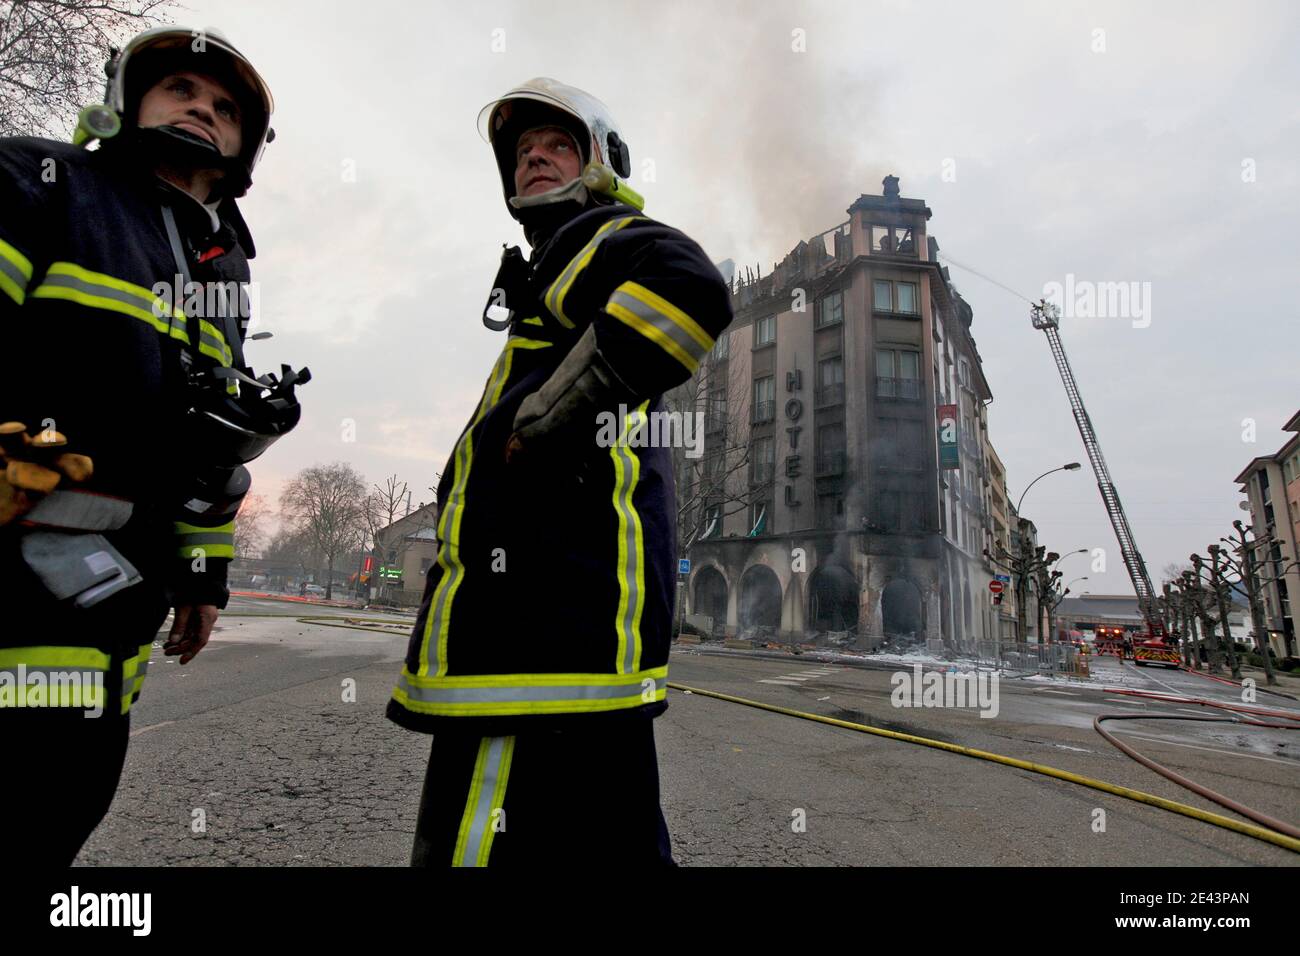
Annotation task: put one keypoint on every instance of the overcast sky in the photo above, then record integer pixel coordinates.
(1153, 143)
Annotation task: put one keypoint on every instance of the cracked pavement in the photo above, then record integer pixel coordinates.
(250, 755)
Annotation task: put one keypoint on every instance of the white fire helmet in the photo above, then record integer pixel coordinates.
(541, 102)
(150, 55)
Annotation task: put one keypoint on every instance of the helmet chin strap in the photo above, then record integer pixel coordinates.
(574, 190)
(542, 215)
(186, 149)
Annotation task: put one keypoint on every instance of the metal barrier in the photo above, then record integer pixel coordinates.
(1027, 659)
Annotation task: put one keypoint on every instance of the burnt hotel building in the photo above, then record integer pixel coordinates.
(846, 488)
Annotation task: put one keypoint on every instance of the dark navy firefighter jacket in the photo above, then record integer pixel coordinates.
(551, 597)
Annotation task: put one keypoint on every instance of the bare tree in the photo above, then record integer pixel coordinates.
(250, 529)
(52, 56)
(289, 547)
(385, 506)
(721, 481)
(326, 503)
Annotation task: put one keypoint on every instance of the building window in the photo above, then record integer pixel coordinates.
(830, 381)
(712, 522)
(905, 297)
(425, 564)
(764, 399)
(963, 373)
(898, 298)
(830, 309)
(830, 450)
(760, 518)
(763, 464)
(722, 348)
(715, 412)
(765, 331)
(898, 373)
(893, 240)
(830, 511)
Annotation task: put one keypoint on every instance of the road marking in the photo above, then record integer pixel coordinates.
(1134, 669)
(1124, 700)
(1213, 750)
(783, 683)
(1063, 693)
(144, 730)
(1082, 750)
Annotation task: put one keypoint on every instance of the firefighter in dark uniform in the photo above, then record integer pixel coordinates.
(539, 655)
(128, 412)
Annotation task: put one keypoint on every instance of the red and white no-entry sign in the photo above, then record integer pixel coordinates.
(996, 587)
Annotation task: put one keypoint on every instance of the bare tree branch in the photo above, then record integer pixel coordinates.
(52, 57)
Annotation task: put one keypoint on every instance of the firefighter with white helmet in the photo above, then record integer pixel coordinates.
(539, 656)
(127, 412)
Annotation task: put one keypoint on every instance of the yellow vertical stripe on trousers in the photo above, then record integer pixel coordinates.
(438, 622)
(631, 547)
(487, 793)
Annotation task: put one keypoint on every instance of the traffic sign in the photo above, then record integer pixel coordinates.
(996, 587)
(684, 566)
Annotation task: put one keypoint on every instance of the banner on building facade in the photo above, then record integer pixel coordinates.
(949, 448)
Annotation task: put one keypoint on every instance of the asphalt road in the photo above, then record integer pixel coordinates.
(271, 748)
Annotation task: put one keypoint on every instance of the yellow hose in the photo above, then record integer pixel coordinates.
(1259, 833)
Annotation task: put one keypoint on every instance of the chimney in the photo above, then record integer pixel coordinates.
(891, 187)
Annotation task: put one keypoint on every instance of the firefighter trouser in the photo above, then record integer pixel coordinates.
(63, 769)
(61, 766)
(570, 797)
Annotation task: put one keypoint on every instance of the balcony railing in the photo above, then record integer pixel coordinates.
(831, 463)
(715, 421)
(830, 395)
(764, 412)
(909, 388)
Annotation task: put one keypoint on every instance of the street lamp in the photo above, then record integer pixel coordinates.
(1067, 554)
(1067, 587)
(1072, 466)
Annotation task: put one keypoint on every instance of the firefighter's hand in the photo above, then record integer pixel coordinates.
(191, 628)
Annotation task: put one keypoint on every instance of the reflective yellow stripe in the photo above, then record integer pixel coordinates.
(660, 321)
(521, 694)
(487, 793)
(86, 658)
(215, 542)
(535, 320)
(72, 283)
(212, 343)
(53, 676)
(631, 547)
(559, 289)
(438, 622)
(15, 272)
(134, 670)
(183, 528)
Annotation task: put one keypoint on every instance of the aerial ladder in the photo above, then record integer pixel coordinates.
(1046, 317)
